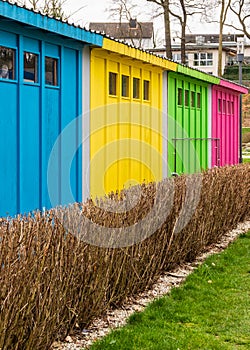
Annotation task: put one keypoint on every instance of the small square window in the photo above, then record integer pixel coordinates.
(112, 83)
(7, 63)
(125, 86)
(136, 88)
(192, 99)
(228, 107)
(51, 71)
(198, 100)
(224, 106)
(146, 90)
(219, 105)
(30, 73)
(179, 96)
(186, 98)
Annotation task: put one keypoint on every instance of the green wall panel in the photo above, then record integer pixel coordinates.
(187, 124)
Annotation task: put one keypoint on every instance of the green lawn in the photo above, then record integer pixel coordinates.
(245, 130)
(210, 311)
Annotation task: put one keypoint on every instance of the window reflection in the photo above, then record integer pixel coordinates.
(51, 71)
(7, 63)
(30, 67)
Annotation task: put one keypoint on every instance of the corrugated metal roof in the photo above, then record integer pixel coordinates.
(129, 50)
(37, 19)
(195, 73)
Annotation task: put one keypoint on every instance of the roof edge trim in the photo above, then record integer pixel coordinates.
(38, 20)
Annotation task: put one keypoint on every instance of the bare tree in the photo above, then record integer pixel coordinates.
(127, 10)
(124, 10)
(241, 9)
(225, 6)
(53, 8)
(180, 10)
(165, 5)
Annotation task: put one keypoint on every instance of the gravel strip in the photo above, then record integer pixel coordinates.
(82, 339)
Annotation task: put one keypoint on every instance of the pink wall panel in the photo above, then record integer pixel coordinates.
(225, 126)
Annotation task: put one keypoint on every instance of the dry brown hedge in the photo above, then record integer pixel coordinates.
(50, 279)
(246, 137)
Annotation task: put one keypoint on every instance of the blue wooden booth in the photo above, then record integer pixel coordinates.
(41, 64)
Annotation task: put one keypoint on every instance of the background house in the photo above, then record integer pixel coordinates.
(202, 51)
(139, 34)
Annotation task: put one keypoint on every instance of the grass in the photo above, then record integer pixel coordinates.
(246, 160)
(245, 130)
(211, 310)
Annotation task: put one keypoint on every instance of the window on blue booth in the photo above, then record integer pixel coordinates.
(51, 71)
(7, 63)
(30, 73)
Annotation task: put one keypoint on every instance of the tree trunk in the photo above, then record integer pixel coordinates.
(183, 32)
(219, 72)
(183, 43)
(167, 30)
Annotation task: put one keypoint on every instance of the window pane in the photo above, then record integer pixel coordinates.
(30, 67)
(180, 96)
(224, 106)
(219, 105)
(146, 90)
(51, 71)
(192, 99)
(186, 98)
(228, 107)
(125, 86)
(136, 88)
(112, 83)
(7, 63)
(198, 100)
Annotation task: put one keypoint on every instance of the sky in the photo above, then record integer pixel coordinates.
(97, 11)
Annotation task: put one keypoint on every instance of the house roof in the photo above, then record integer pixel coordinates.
(195, 48)
(128, 30)
(211, 38)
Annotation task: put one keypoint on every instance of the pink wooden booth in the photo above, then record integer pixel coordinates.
(226, 122)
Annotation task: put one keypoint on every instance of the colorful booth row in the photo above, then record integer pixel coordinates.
(83, 114)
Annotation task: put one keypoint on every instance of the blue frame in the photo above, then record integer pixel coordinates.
(35, 114)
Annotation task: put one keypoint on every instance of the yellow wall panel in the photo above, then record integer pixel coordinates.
(125, 69)
(113, 66)
(125, 133)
